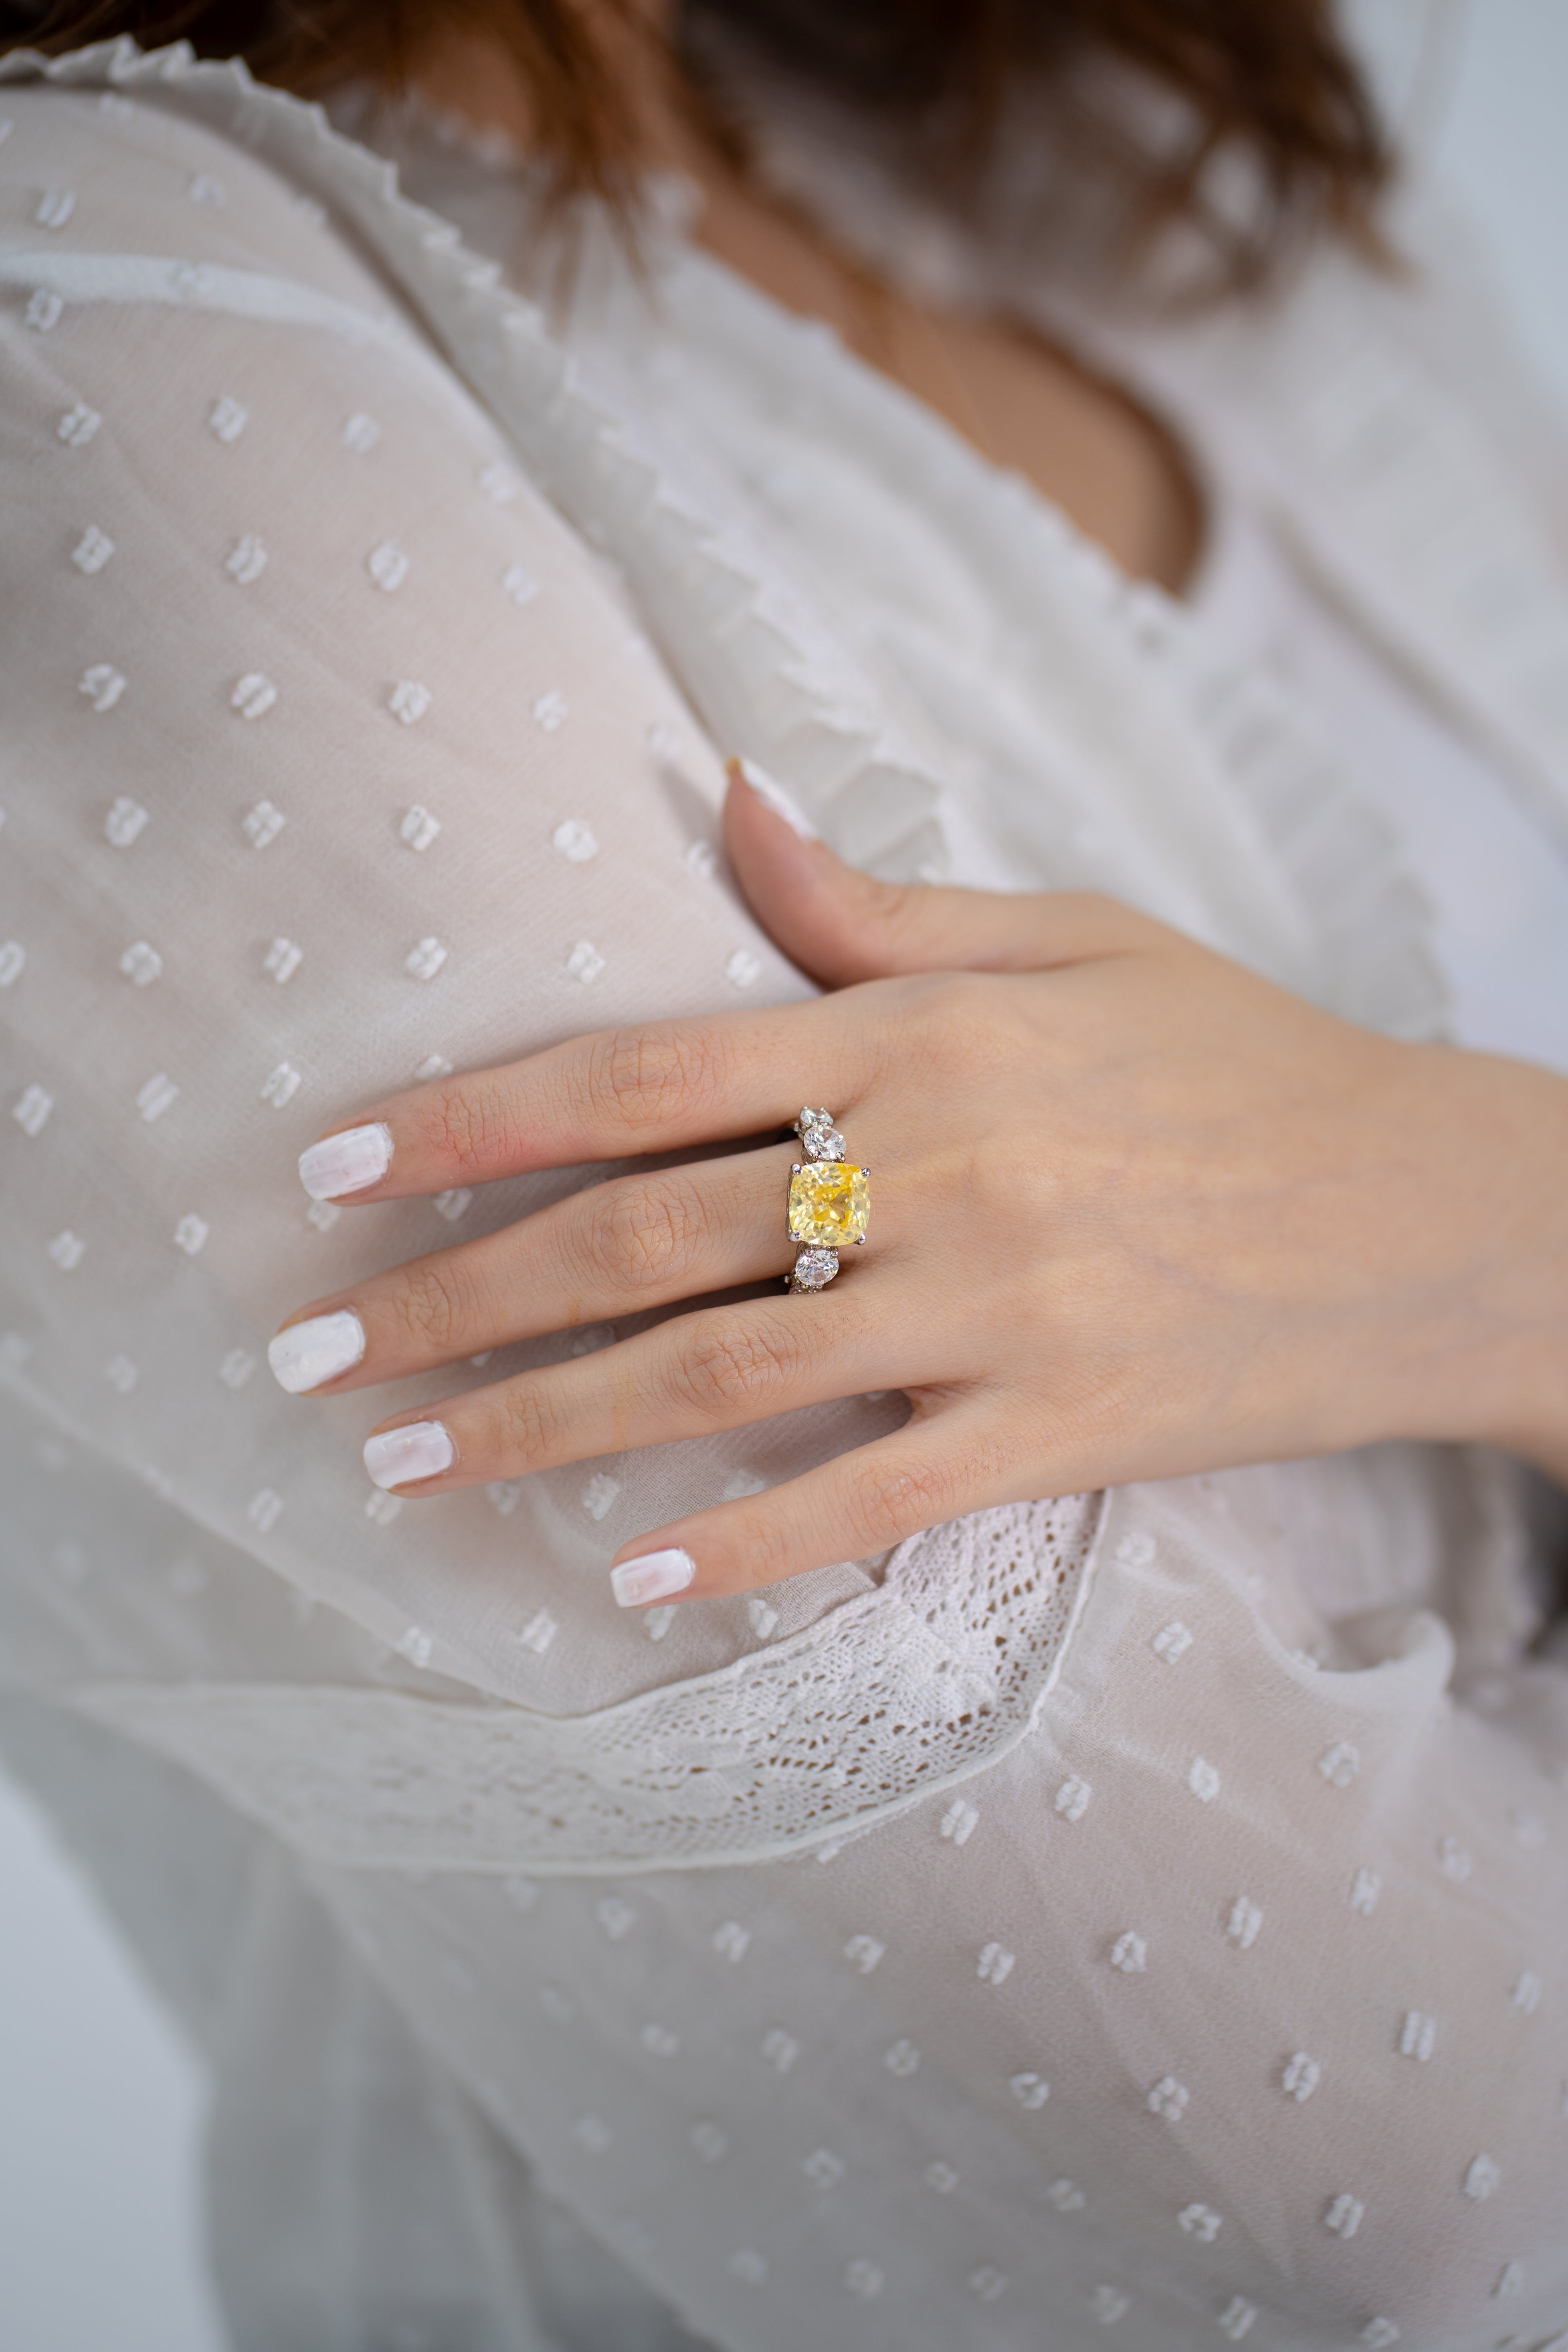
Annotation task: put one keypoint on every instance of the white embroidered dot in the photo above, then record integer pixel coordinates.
(452, 1206)
(538, 1633)
(247, 559)
(1378, 2334)
(102, 684)
(1172, 1641)
(1066, 2196)
(56, 206)
(418, 828)
(425, 959)
(616, 1917)
(864, 2280)
(228, 419)
(592, 2133)
(44, 309)
(31, 1108)
(747, 2265)
(282, 960)
(901, 2058)
(66, 1250)
(13, 960)
(1510, 2280)
(125, 822)
(988, 2283)
(1072, 1798)
(1345, 2215)
(780, 2049)
(1340, 1763)
(599, 1493)
(1199, 2222)
(660, 2041)
(434, 1065)
(191, 1233)
(501, 484)
(550, 711)
(1137, 1550)
(657, 1623)
(1109, 2305)
(996, 1964)
(1203, 1780)
(743, 970)
(282, 1086)
(1481, 2179)
(959, 1822)
(78, 424)
(1453, 1861)
(763, 1617)
(504, 1496)
(203, 189)
(253, 696)
(262, 825)
(416, 1645)
(375, 1504)
(1365, 1888)
(1030, 2090)
(863, 1952)
(521, 1893)
(518, 584)
(1169, 2098)
(592, 1338)
(1418, 2035)
(157, 1096)
(1301, 2077)
(731, 1941)
(236, 1368)
(1527, 1992)
(1528, 1828)
(573, 841)
(408, 701)
(323, 1215)
(263, 1510)
(361, 433)
(387, 565)
(663, 740)
(584, 962)
(823, 2169)
(743, 1482)
(941, 2178)
(1130, 1953)
(1235, 2320)
(703, 860)
(1244, 1923)
(141, 963)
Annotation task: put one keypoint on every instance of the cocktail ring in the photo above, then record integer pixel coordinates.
(829, 1202)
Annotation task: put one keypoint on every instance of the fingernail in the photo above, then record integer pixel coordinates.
(654, 1577)
(346, 1162)
(396, 1457)
(306, 1354)
(774, 796)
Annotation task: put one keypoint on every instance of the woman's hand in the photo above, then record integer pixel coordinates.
(1134, 1214)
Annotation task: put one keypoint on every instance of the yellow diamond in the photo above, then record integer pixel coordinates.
(829, 1202)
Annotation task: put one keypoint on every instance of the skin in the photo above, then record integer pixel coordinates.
(1135, 1211)
(1167, 1218)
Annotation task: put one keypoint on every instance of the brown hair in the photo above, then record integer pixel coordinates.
(1265, 84)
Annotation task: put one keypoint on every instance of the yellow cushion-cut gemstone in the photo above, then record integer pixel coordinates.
(829, 1202)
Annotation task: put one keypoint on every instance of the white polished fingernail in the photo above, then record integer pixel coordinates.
(306, 1354)
(772, 795)
(397, 1457)
(654, 1577)
(346, 1162)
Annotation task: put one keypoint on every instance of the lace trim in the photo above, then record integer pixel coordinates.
(877, 1706)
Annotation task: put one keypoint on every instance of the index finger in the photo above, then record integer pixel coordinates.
(614, 1094)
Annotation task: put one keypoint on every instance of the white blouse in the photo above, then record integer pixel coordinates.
(1122, 1914)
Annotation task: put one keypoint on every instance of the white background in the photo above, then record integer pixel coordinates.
(99, 2103)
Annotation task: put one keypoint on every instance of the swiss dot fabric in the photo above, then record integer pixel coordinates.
(1175, 1957)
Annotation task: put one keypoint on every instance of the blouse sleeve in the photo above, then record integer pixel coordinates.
(333, 760)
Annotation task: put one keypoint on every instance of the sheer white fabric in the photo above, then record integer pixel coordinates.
(1170, 1947)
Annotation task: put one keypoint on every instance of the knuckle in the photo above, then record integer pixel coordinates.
(644, 1236)
(529, 1432)
(469, 1127)
(646, 1078)
(890, 1501)
(719, 1372)
(433, 1306)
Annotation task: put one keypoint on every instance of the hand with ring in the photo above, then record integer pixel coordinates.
(1137, 1214)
